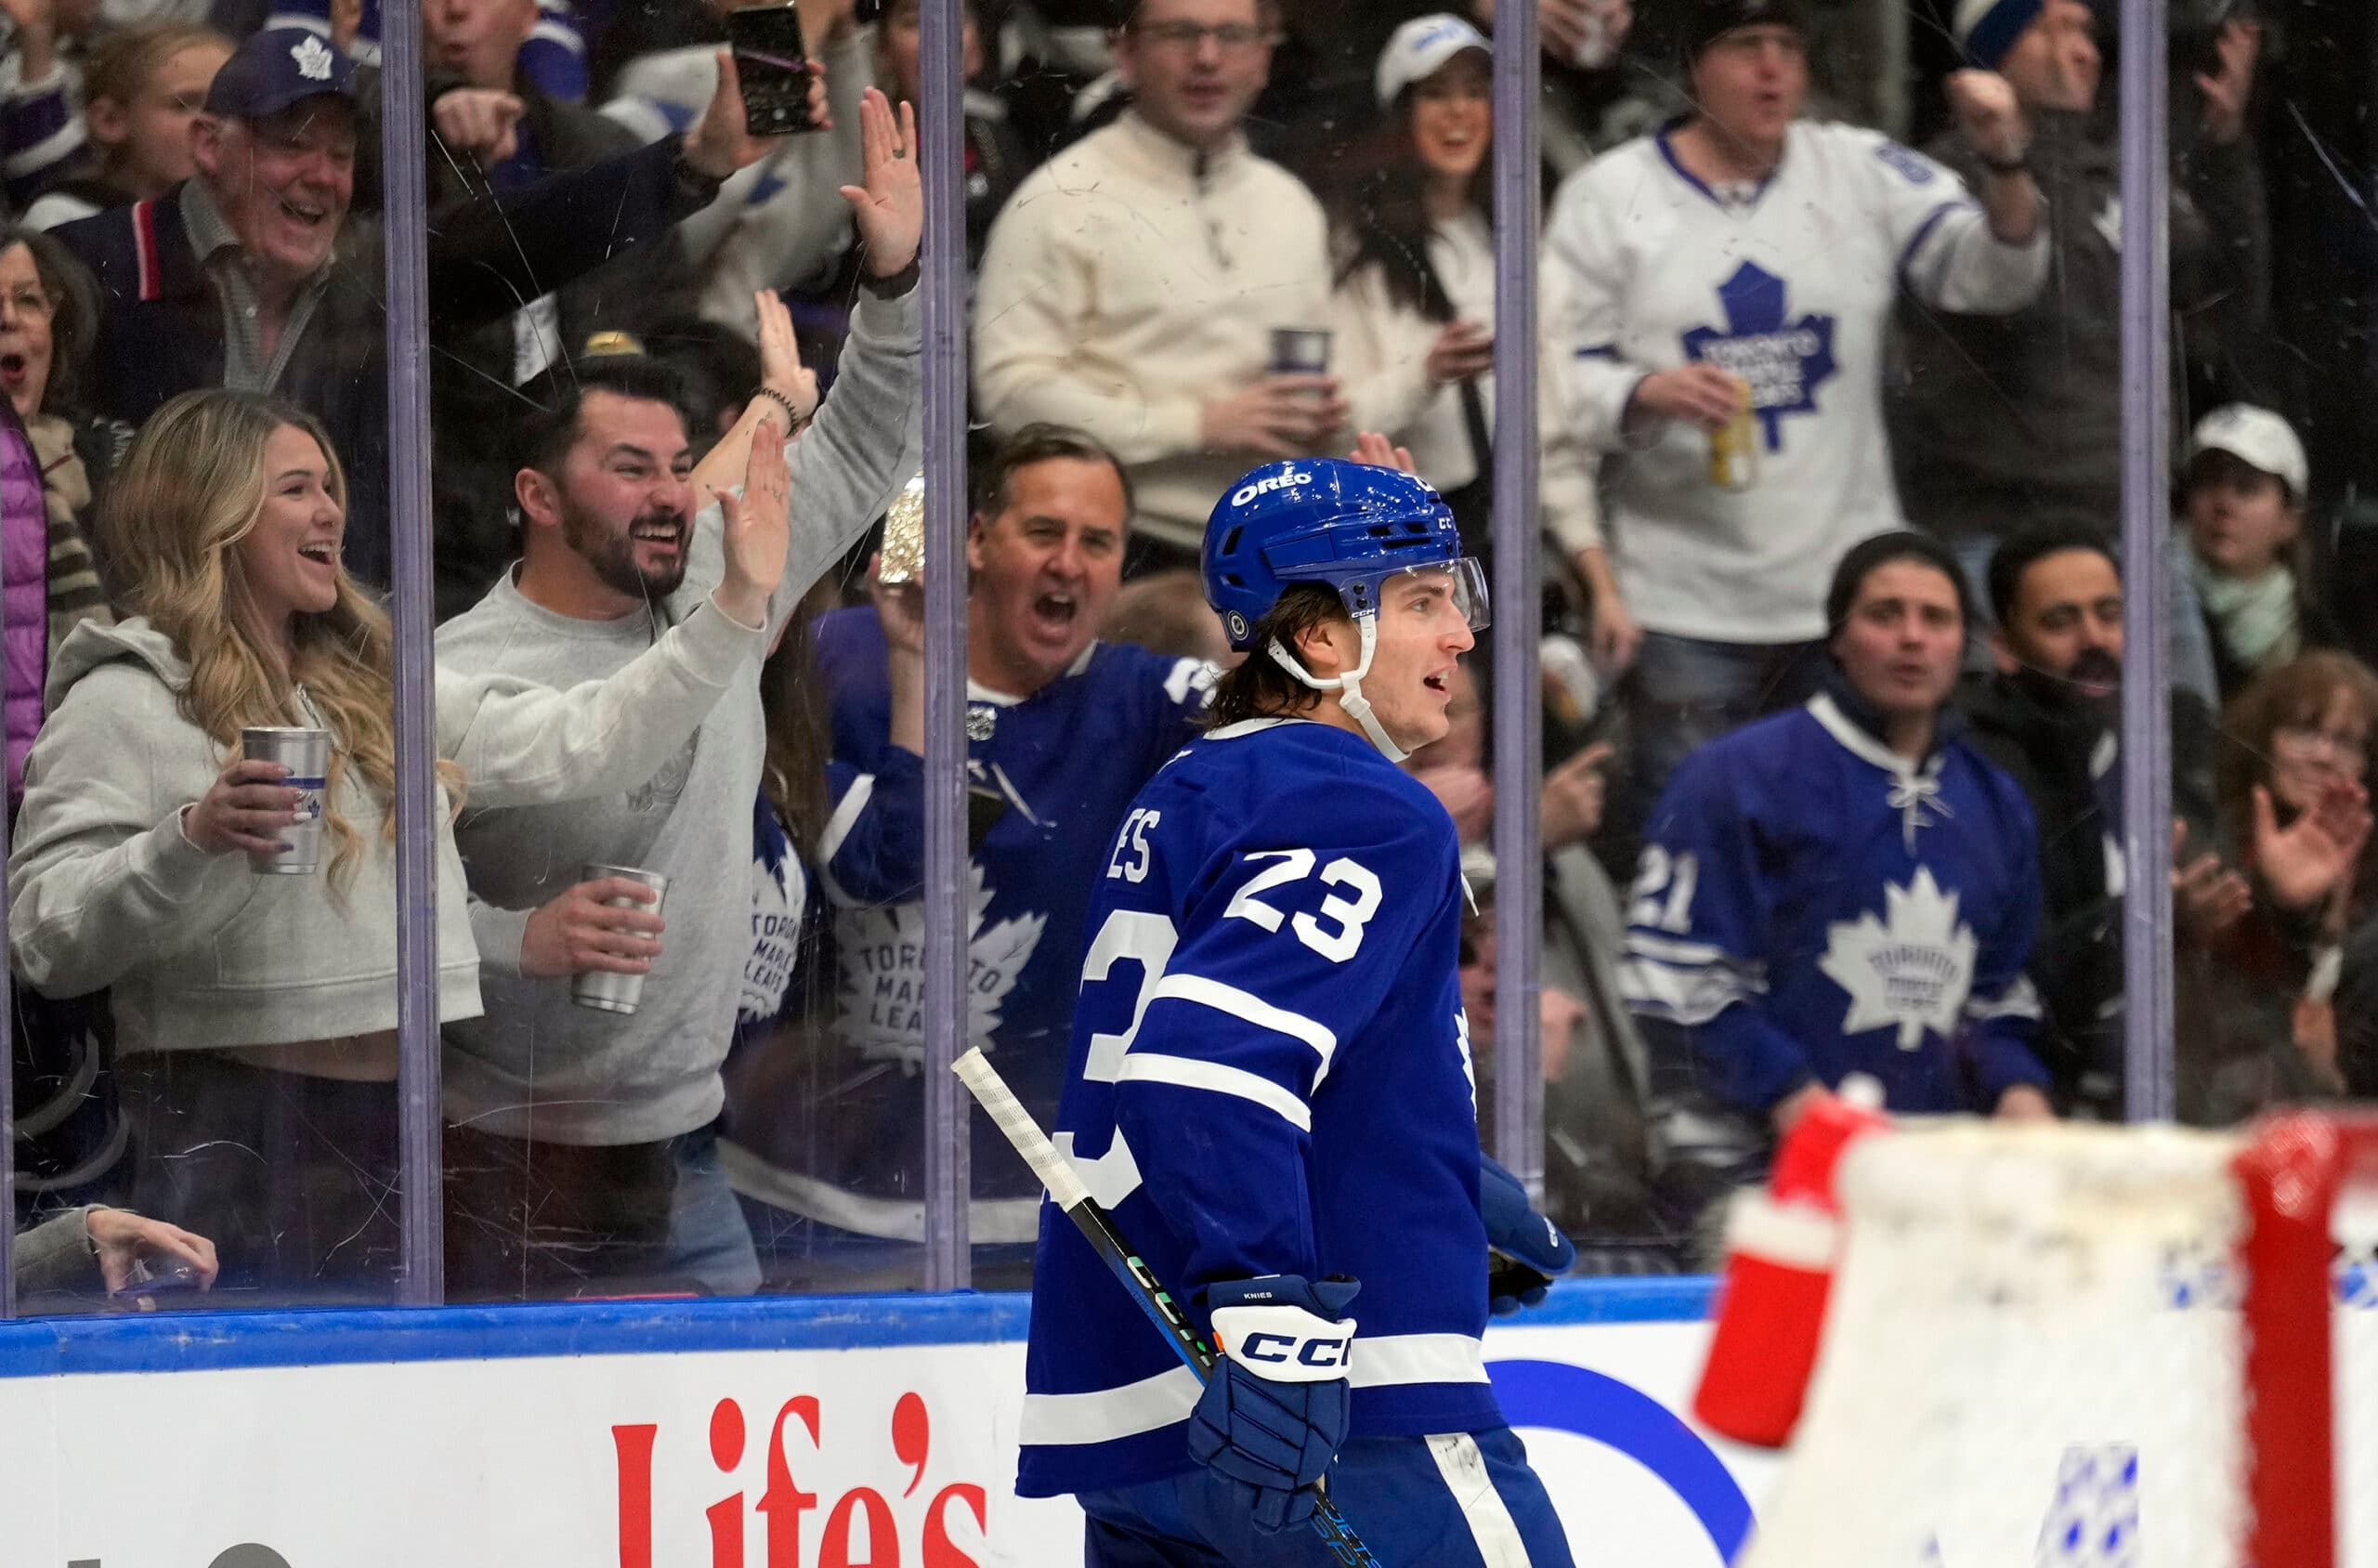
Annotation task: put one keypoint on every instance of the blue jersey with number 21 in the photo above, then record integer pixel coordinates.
(1268, 1074)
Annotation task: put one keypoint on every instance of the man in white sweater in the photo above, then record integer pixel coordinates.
(1734, 272)
(1130, 287)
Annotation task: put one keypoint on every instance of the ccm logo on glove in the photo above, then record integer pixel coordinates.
(1286, 1344)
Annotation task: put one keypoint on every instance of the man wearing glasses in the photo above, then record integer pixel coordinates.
(1131, 287)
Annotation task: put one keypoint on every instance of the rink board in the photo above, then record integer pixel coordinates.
(838, 1432)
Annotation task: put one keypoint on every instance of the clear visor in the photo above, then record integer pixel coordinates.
(1465, 579)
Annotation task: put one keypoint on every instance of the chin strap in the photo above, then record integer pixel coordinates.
(1349, 687)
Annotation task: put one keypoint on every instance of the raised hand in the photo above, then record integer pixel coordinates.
(889, 204)
(781, 370)
(722, 142)
(756, 530)
(901, 608)
(1379, 453)
(2315, 855)
(2228, 90)
(1988, 115)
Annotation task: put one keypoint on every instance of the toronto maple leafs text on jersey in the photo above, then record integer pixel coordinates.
(1051, 773)
(1790, 288)
(1813, 904)
(1269, 1073)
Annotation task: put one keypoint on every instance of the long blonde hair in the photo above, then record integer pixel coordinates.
(188, 490)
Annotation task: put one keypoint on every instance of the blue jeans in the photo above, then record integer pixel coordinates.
(1455, 1501)
(708, 1240)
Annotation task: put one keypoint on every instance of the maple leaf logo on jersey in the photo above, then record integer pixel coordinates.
(1784, 362)
(882, 953)
(1911, 969)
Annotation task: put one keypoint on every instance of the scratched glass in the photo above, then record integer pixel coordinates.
(204, 1038)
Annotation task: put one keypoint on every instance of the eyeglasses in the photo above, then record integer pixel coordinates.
(1234, 37)
(2349, 749)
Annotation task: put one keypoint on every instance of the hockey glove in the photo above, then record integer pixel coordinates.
(1525, 1252)
(1274, 1410)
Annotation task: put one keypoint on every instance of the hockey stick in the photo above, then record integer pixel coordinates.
(1097, 1227)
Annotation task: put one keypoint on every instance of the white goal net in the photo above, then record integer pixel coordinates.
(2102, 1347)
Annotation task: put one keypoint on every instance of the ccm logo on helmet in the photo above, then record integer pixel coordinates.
(1246, 493)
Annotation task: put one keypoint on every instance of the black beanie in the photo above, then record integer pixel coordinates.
(1881, 550)
(1707, 21)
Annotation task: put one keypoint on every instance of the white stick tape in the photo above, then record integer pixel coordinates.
(991, 1092)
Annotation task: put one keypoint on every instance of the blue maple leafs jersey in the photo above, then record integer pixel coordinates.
(1268, 1074)
(1056, 770)
(1811, 905)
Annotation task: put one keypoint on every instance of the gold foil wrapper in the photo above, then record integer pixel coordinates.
(904, 535)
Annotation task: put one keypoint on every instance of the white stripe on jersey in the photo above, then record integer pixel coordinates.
(1188, 1073)
(1253, 1009)
(1491, 1527)
(1069, 1418)
(838, 827)
(1386, 1360)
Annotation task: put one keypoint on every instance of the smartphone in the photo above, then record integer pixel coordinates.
(772, 63)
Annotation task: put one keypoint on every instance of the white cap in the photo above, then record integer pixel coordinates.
(2258, 438)
(1420, 48)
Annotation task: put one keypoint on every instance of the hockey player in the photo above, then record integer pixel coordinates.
(1850, 886)
(1269, 1086)
(1730, 278)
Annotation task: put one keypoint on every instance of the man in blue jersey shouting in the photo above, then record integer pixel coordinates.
(1270, 1087)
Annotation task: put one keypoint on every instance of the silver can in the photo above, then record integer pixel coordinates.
(306, 755)
(602, 989)
(1300, 350)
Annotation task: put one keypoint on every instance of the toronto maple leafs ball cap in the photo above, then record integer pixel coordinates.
(1707, 20)
(1881, 550)
(277, 68)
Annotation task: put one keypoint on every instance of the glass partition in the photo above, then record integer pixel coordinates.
(1754, 295)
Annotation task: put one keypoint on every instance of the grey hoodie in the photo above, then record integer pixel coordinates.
(105, 889)
(535, 1065)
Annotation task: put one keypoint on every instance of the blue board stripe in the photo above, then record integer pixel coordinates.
(215, 1341)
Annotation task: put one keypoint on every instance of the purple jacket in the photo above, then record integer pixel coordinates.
(24, 593)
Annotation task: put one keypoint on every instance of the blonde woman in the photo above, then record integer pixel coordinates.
(254, 1015)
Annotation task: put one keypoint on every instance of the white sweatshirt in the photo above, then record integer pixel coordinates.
(106, 889)
(1383, 352)
(1792, 288)
(1132, 279)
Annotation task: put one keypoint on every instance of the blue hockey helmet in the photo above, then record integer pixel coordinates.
(1350, 525)
(1323, 519)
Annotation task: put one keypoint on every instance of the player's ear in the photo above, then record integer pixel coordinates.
(1329, 647)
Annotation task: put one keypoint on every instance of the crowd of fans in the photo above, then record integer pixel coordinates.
(1833, 608)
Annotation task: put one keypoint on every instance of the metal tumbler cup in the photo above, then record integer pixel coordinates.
(1300, 350)
(306, 755)
(602, 989)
